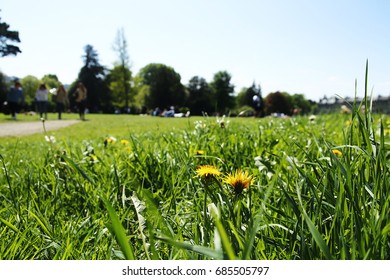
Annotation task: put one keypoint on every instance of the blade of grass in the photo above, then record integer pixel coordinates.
(8, 224)
(119, 232)
(224, 237)
(314, 231)
(215, 254)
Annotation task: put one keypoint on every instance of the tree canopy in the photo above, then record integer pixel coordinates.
(51, 81)
(155, 85)
(118, 81)
(30, 85)
(277, 102)
(7, 36)
(120, 77)
(161, 86)
(222, 91)
(200, 98)
(93, 75)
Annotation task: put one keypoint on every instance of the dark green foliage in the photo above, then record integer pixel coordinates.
(92, 75)
(277, 102)
(118, 81)
(200, 96)
(222, 91)
(5, 36)
(164, 88)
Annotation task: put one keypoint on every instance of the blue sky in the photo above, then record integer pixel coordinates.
(311, 47)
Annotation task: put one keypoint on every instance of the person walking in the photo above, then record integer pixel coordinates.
(61, 100)
(257, 105)
(15, 99)
(81, 99)
(42, 99)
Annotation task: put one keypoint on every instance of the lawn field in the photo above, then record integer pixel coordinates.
(142, 187)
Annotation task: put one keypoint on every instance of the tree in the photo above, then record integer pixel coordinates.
(30, 85)
(299, 102)
(222, 91)
(200, 98)
(118, 82)
(93, 75)
(121, 78)
(277, 102)
(161, 86)
(5, 36)
(245, 96)
(51, 81)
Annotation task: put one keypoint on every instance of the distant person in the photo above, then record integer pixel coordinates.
(256, 105)
(170, 112)
(157, 112)
(81, 99)
(15, 99)
(42, 99)
(61, 100)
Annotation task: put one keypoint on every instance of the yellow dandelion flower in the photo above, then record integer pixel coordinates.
(337, 152)
(348, 122)
(239, 180)
(386, 131)
(207, 171)
(388, 122)
(199, 152)
(93, 158)
(124, 142)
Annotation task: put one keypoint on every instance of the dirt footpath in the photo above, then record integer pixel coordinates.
(15, 128)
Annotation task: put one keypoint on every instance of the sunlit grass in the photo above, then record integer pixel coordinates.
(124, 187)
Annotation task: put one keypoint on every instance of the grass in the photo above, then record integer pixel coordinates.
(126, 187)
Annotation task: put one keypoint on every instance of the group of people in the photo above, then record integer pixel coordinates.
(15, 98)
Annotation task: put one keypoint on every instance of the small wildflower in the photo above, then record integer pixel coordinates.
(124, 142)
(239, 180)
(221, 122)
(337, 152)
(312, 118)
(50, 139)
(200, 125)
(199, 152)
(207, 171)
(259, 163)
(93, 158)
(109, 140)
(386, 131)
(388, 122)
(348, 122)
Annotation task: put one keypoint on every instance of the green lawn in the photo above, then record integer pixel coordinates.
(141, 187)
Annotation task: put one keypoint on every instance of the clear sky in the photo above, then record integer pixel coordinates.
(299, 46)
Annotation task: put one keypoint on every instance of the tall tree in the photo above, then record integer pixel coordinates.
(7, 35)
(115, 80)
(122, 77)
(93, 75)
(199, 99)
(161, 86)
(222, 92)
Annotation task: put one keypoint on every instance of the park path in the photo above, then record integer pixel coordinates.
(18, 128)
